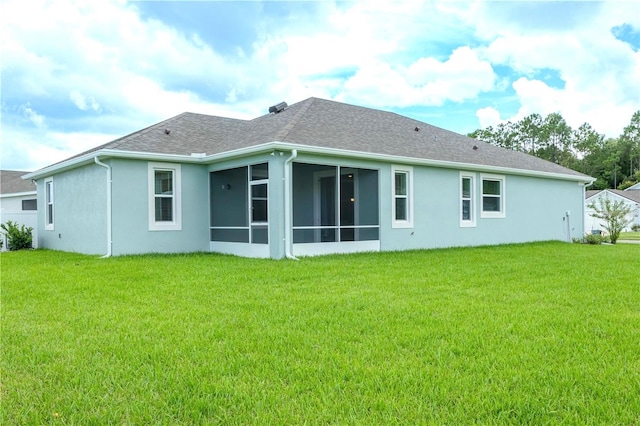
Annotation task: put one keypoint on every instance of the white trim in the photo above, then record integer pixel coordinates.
(176, 223)
(308, 149)
(318, 249)
(408, 170)
(241, 249)
(49, 199)
(18, 194)
(472, 199)
(288, 191)
(503, 195)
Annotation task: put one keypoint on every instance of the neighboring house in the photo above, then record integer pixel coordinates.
(313, 178)
(18, 202)
(630, 197)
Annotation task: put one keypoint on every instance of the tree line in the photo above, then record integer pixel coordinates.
(614, 162)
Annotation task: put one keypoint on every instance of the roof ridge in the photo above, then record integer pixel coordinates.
(280, 136)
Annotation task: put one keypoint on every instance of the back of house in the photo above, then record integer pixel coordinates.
(312, 178)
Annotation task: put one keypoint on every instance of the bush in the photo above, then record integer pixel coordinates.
(635, 228)
(594, 239)
(18, 237)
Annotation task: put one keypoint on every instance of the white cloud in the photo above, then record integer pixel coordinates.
(35, 118)
(100, 68)
(488, 116)
(84, 103)
(425, 82)
(598, 74)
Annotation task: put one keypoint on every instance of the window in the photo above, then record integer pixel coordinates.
(493, 196)
(402, 208)
(48, 199)
(259, 203)
(467, 204)
(164, 197)
(29, 204)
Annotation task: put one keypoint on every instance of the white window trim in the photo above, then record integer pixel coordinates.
(402, 223)
(503, 197)
(176, 224)
(472, 222)
(49, 226)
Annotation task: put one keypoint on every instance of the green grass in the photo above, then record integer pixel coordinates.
(635, 236)
(534, 334)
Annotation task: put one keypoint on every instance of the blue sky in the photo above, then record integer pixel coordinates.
(77, 74)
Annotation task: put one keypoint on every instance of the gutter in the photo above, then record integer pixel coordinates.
(287, 206)
(308, 149)
(18, 194)
(109, 225)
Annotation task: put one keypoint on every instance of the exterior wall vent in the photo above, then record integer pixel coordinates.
(277, 108)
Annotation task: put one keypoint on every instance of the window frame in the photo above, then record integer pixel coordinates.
(471, 222)
(49, 204)
(502, 197)
(176, 223)
(408, 222)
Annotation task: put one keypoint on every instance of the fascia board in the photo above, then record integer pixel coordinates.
(18, 194)
(285, 146)
(106, 154)
(428, 162)
(194, 158)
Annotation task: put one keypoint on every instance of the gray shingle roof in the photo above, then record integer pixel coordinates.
(630, 195)
(11, 182)
(326, 124)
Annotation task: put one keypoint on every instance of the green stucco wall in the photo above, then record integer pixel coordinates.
(80, 219)
(130, 217)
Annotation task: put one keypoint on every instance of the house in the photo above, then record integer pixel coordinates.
(630, 197)
(18, 202)
(312, 178)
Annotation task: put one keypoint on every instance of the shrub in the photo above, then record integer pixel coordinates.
(18, 237)
(594, 239)
(635, 228)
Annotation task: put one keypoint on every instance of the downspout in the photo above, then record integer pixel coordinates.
(109, 227)
(584, 208)
(287, 206)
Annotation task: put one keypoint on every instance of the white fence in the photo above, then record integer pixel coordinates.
(27, 218)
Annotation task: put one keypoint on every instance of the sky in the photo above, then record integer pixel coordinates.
(77, 74)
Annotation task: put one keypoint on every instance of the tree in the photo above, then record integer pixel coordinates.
(556, 139)
(530, 129)
(612, 162)
(630, 146)
(614, 214)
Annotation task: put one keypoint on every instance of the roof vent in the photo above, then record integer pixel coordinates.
(475, 147)
(167, 131)
(277, 108)
(417, 129)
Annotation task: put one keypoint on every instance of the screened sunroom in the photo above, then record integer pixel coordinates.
(335, 209)
(239, 210)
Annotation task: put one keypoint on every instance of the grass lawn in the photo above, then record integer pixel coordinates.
(535, 334)
(630, 236)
